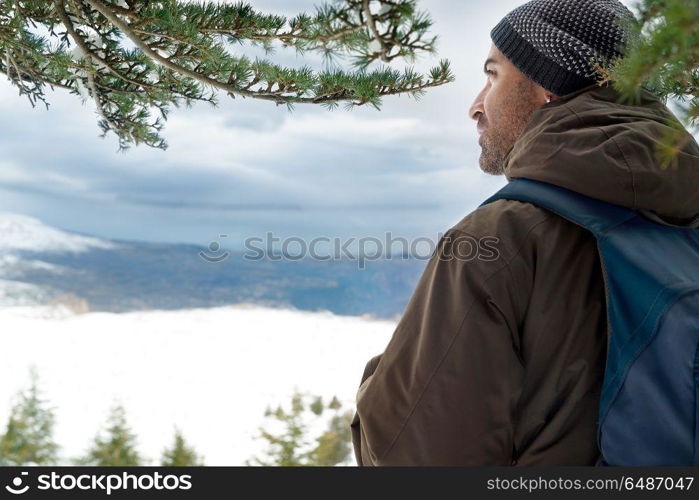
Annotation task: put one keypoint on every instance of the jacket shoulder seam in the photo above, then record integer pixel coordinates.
(536, 222)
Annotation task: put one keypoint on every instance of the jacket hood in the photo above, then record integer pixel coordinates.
(588, 142)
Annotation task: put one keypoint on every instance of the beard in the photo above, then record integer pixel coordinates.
(504, 127)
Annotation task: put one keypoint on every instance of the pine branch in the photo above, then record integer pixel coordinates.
(185, 52)
(662, 56)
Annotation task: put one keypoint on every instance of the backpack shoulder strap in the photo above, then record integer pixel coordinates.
(597, 216)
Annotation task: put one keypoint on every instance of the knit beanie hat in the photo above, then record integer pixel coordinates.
(556, 43)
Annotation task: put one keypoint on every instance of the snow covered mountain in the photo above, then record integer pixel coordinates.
(21, 232)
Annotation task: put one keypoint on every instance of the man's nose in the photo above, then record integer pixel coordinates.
(476, 109)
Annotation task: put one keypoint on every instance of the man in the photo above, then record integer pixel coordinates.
(500, 361)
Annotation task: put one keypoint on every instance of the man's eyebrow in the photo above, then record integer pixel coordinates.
(488, 61)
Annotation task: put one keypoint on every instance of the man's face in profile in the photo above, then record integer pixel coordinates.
(502, 108)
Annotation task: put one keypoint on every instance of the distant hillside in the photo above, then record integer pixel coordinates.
(39, 264)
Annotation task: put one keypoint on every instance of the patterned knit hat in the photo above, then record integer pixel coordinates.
(557, 42)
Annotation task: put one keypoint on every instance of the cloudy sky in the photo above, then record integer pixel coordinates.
(247, 167)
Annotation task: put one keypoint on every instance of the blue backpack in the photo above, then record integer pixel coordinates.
(649, 406)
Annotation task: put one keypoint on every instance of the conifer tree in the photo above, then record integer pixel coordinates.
(180, 454)
(663, 56)
(334, 446)
(28, 437)
(286, 448)
(289, 435)
(116, 445)
(137, 58)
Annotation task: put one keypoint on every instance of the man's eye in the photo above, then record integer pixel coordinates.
(490, 72)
